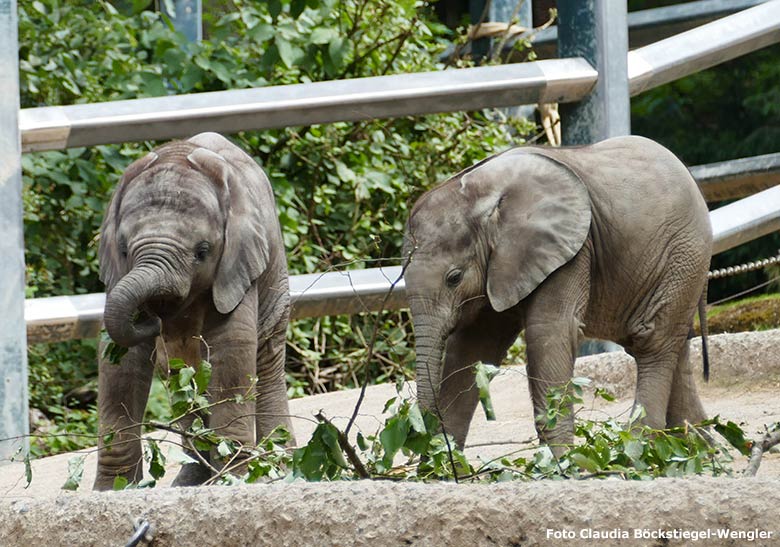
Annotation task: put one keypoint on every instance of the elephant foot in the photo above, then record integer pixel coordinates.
(192, 474)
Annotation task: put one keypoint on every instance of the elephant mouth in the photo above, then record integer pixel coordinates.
(164, 307)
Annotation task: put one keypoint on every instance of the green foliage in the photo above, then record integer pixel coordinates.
(410, 445)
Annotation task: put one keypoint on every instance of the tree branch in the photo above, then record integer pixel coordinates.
(771, 439)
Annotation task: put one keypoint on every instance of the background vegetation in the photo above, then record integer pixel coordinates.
(343, 190)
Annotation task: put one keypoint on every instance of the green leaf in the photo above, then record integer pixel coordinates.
(120, 483)
(291, 55)
(361, 442)
(156, 460)
(584, 462)
(633, 449)
(484, 374)
(416, 419)
(262, 32)
(112, 352)
(75, 473)
(176, 363)
(735, 435)
(323, 35)
(297, 7)
(27, 469)
(185, 375)
(338, 50)
(203, 377)
(393, 437)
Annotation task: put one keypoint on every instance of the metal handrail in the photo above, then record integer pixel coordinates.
(548, 81)
(703, 47)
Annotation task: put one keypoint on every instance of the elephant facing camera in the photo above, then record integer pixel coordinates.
(192, 257)
(609, 241)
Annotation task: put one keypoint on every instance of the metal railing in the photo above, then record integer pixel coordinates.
(562, 80)
(157, 118)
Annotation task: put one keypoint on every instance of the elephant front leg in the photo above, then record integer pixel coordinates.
(232, 389)
(551, 349)
(272, 406)
(123, 390)
(487, 340)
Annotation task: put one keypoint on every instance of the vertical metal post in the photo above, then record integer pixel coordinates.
(186, 16)
(598, 31)
(14, 419)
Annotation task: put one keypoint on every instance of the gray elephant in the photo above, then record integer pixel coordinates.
(609, 241)
(192, 257)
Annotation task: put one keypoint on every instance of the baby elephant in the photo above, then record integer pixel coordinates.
(193, 260)
(609, 241)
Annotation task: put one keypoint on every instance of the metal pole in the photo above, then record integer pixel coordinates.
(186, 17)
(596, 30)
(14, 420)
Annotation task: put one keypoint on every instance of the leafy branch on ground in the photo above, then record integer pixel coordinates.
(409, 445)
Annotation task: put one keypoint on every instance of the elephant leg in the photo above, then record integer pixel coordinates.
(232, 343)
(684, 403)
(272, 408)
(551, 347)
(486, 340)
(123, 391)
(553, 330)
(194, 473)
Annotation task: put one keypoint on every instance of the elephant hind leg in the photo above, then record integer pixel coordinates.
(684, 403)
(658, 369)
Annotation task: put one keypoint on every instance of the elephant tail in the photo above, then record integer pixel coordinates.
(703, 325)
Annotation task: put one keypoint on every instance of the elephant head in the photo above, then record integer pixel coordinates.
(484, 240)
(177, 226)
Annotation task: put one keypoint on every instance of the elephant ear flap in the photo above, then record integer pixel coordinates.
(112, 264)
(540, 215)
(245, 249)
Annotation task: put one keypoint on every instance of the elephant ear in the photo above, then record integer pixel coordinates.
(539, 211)
(112, 264)
(245, 249)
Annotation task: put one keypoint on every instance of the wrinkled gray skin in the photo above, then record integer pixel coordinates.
(609, 241)
(191, 247)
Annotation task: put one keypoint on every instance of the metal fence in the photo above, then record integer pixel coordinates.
(596, 77)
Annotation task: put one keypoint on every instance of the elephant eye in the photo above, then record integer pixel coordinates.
(454, 277)
(202, 251)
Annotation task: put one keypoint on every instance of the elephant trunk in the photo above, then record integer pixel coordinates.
(125, 300)
(430, 348)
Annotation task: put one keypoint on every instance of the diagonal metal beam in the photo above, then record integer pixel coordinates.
(704, 47)
(58, 127)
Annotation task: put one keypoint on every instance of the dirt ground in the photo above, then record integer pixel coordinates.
(744, 387)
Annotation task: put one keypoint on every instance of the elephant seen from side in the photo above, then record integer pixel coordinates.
(609, 241)
(193, 260)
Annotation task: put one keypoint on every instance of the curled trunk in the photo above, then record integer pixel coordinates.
(124, 302)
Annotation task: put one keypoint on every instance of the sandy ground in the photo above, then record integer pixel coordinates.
(744, 388)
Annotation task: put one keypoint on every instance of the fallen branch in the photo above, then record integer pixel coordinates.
(771, 438)
(347, 448)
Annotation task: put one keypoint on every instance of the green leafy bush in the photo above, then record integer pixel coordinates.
(343, 190)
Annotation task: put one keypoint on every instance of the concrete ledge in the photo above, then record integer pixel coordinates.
(388, 514)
